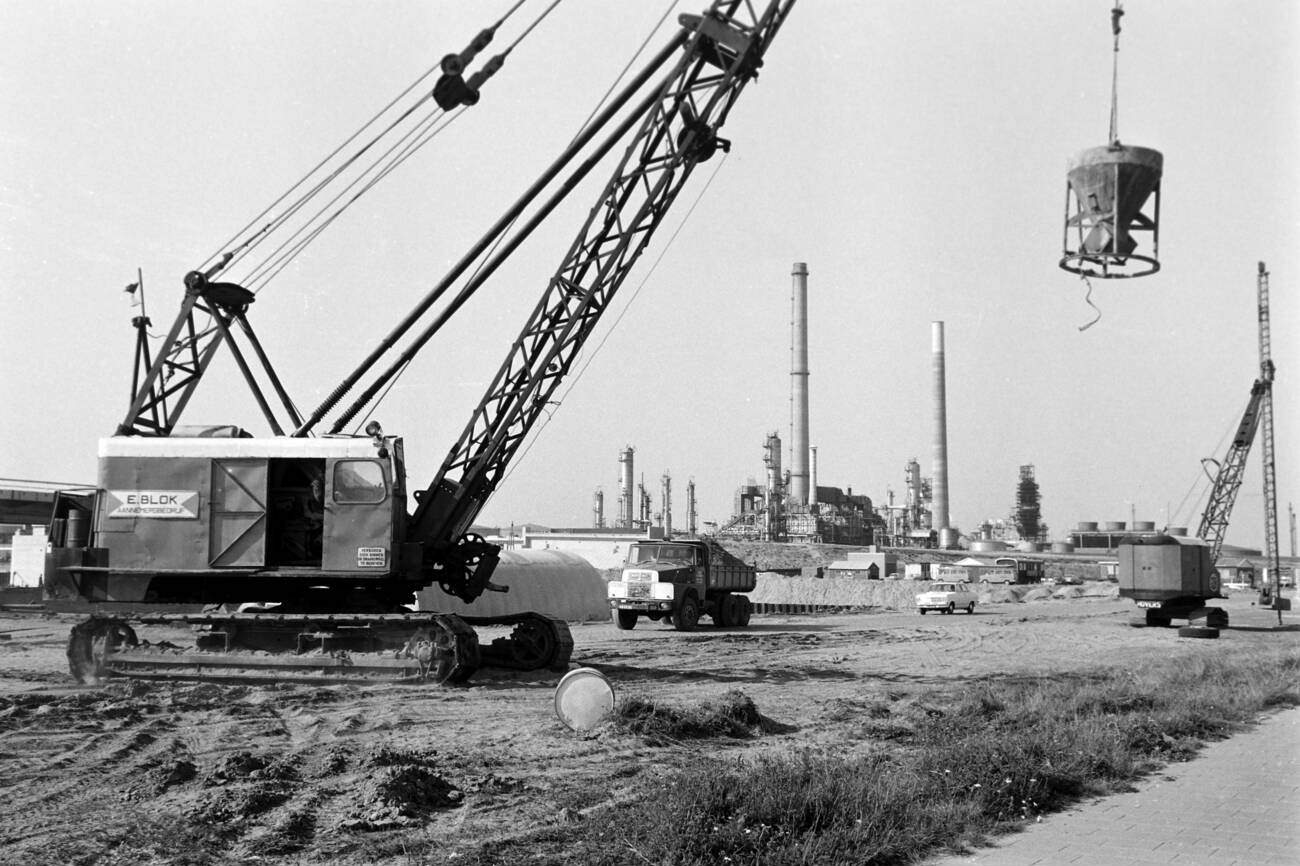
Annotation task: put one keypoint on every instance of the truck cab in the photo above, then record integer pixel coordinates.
(680, 580)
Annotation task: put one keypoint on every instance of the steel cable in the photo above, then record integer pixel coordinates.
(488, 253)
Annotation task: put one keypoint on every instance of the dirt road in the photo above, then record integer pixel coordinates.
(141, 772)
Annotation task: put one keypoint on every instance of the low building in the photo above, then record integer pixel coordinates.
(866, 565)
(1237, 571)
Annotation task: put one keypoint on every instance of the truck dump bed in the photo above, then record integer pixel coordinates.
(728, 572)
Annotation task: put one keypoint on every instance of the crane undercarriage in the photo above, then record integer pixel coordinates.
(316, 648)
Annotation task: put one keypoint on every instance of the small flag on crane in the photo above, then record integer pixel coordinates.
(133, 290)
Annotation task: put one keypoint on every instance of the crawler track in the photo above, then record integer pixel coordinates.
(315, 648)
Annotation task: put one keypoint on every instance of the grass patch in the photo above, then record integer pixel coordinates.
(1000, 753)
(732, 715)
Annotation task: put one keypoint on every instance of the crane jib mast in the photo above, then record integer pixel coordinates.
(679, 132)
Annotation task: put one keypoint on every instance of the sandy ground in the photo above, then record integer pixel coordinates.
(156, 772)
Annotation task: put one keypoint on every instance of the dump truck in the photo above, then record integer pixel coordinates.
(679, 581)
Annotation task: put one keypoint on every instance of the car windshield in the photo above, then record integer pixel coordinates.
(661, 553)
(943, 587)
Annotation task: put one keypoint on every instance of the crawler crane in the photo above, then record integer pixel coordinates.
(316, 527)
(1173, 578)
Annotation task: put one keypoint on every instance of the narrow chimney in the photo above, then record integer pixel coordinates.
(939, 496)
(799, 386)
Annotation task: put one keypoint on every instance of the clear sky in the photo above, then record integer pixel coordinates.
(913, 154)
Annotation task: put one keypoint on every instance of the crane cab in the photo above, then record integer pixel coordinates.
(229, 517)
(1164, 568)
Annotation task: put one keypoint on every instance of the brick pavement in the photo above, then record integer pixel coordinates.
(1236, 804)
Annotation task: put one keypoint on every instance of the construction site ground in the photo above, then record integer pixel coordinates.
(147, 771)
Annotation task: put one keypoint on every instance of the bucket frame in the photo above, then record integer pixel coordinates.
(1112, 260)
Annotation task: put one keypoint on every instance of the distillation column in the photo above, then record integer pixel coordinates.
(667, 508)
(625, 500)
(812, 475)
(690, 507)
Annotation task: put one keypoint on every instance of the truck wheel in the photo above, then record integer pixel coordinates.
(1156, 619)
(626, 619)
(1198, 631)
(687, 615)
(970, 608)
(743, 611)
(922, 610)
(724, 610)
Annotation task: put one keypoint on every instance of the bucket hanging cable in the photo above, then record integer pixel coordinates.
(1115, 15)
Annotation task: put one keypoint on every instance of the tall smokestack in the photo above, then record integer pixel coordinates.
(625, 500)
(812, 477)
(799, 386)
(939, 500)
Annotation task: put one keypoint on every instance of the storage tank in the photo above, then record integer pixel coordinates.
(1114, 526)
(1028, 547)
(1144, 526)
(1176, 531)
(1062, 547)
(1087, 526)
(987, 545)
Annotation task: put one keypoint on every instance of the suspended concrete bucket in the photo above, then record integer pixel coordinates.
(1109, 186)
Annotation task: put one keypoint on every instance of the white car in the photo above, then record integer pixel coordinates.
(947, 597)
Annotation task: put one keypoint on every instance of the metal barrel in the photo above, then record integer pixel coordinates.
(78, 528)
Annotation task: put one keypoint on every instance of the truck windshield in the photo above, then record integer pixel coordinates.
(661, 553)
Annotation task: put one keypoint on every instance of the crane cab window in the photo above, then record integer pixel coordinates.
(359, 482)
